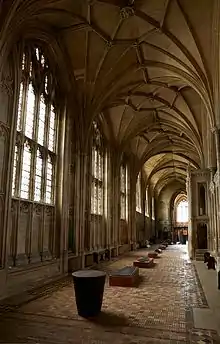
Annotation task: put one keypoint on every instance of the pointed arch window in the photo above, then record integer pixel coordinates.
(97, 187)
(35, 148)
(182, 211)
(147, 202)
(123, 191)
(153, 208)
(138, 194)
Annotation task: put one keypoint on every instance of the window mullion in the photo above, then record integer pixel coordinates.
(34, 147)
(20, 135)
(21, 154)
(27, 81)
(47, 124)
(18, 165)
(53, 186)
(36, 116)
(44, 175)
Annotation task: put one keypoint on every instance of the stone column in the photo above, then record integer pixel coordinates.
(132, 211)
(216, 132)
(63, 193)
(116, 199)
(108, 199)
(80, 198)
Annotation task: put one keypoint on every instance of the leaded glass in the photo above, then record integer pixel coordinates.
(36, 131)
(29, 122)
(41, 123)
(38, 176)
(26, 170)
(20, 101)
(97, 170)
(123, 192)
(49, 175)
(138, 194)
(52, 130)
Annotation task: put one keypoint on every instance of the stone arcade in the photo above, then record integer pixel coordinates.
(109, 118)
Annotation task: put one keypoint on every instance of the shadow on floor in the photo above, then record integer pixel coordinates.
(107, 319)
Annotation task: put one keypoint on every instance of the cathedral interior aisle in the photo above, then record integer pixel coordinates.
(159, 310)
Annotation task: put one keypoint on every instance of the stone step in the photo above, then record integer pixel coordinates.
(201, 250)
(201, 259)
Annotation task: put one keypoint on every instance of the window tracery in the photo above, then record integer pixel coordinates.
(123, 191)
(97, 187)
(153, 210)
(35, 148)
(138, 193)
(147, 203)
(182, 211)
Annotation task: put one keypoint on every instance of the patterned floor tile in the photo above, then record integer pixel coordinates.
(158, 311)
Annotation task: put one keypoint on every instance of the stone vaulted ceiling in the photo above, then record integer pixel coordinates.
(141, 66)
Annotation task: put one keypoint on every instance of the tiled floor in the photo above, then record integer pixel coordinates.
(158, 311)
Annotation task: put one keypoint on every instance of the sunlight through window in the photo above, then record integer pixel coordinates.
(36, 135)
(182, 212)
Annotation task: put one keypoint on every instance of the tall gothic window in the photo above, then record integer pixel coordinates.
(153, 210)
(97, 188)
(138, 194)
(123, 192)
(146, 203)
(182, 212)
(35, 147)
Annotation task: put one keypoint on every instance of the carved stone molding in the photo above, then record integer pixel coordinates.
(127, 12)
(38, 209)
(24, 207)
(212, 187)
(14, 204)
(216, 178)
(49, 211)
(6, 84)
(204, 174)
(71, 211)
(4, 130)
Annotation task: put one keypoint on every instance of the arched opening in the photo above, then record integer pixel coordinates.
(180, 218)
(182, 212)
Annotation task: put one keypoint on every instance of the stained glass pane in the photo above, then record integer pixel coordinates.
(42, 60)
(138, 194)
(146, 203)
(23, 61)
(26, 170)
(30, 70)
(41, 121)
(38, 177)
(100, 167)
(37, 52)
(33, 123)
(123, 182)
(29, 125)
(100, 199)
(95, 164)
(123, 206)
(153, 215)
(52, 130)
(46, 84)
(49, 176)
(182, 212)
(20, 102)
(93, 198)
